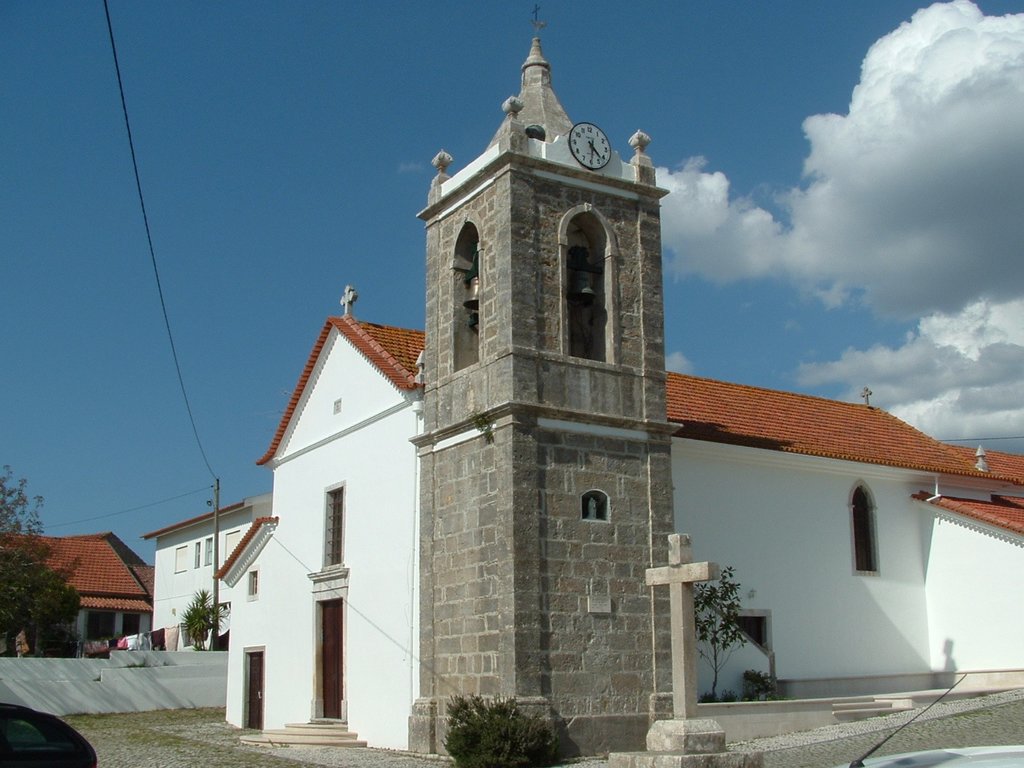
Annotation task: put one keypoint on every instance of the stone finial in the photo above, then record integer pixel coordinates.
(643, 167)
(441, 161)
(981, 465)
(512, 106)
(639, 141)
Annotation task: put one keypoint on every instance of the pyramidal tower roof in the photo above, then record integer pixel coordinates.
(540, 104)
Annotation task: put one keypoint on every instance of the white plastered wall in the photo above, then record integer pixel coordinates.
(975, 579)
(365, 447)
(783, 522)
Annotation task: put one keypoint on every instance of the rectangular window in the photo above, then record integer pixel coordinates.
(231, 539)
(99, 625)
(254, 584)
(130, 623)
(208, 559)
(181, 559)
(333, 552)
(199, 555)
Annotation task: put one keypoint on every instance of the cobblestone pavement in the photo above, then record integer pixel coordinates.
(189, 738)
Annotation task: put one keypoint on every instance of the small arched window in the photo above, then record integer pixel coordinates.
(594, 505)
(865, 546)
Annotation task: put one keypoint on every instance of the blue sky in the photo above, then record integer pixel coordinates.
(846, 208)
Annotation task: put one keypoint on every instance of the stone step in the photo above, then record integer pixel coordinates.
(316, 733)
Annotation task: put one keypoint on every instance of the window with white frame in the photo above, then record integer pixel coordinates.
(208, 557)
(198, 559)
(865, 544)
(181, 559)
(231, 539)
(334, 527)
(253, 584)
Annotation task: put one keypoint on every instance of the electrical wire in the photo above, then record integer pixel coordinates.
(149, 239)
(132, 509)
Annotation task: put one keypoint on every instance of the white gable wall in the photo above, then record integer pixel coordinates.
(366, 448)
(974, 586)
(784, 522)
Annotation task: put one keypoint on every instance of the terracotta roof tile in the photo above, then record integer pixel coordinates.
(720, 412)
(1002, 511)
(258, 523)
(393, 351)
(115, 604)
(98, 566)
(192, 521)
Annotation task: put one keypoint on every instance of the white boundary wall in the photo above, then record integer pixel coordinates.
(129, 681)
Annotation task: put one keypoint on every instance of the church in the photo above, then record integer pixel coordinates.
(471, 508)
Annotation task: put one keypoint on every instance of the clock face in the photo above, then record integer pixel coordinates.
(589, 146)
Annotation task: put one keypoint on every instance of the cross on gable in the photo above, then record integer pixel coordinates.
(680, 575)
(348, 299)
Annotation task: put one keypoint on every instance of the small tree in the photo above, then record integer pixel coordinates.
(33, 596)
(717, 608)
(202, 617)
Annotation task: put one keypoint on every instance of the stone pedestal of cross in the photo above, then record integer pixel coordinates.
(686, 740)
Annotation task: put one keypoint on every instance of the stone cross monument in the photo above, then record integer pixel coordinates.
(687, 740)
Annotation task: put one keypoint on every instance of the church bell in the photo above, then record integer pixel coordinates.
(472, 301)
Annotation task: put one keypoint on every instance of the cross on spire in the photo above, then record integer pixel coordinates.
(538, 25)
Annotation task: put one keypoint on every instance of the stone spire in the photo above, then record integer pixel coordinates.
(540, 104)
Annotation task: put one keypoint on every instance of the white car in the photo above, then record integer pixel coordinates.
(984, 757)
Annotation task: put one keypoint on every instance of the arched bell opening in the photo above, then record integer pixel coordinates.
(466, 298)
(587, 287)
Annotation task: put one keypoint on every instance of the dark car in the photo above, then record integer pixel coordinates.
(30, 739)
(989, 757)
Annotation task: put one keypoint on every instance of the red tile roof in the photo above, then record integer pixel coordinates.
(1002, 511)
(717, 411)
(101, 566)
(192, 521)
(392, 351)
(720, 412)
(236, 553)
(115, 604)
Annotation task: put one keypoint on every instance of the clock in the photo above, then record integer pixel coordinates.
(589, 146)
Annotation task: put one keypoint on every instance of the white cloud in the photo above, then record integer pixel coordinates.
(912, 203)
(958, 375)
(913, 198)
(678, 363)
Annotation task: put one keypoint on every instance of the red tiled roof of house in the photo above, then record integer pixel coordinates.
(392, 351)
(115, 604)
(1002, 511)
(720, 412)
(192, 521)
(101, 565)
(258, 523)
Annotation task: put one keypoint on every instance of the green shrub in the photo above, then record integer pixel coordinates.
(495, 734)
(757, 686)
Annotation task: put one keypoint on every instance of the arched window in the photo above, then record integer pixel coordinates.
(865, 549)
(587, 287)
(466, 299)
(594, 505)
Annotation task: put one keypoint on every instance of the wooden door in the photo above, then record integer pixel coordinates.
(332, 662)
(254, 709)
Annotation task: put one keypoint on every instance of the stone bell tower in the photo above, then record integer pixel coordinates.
(545, 467)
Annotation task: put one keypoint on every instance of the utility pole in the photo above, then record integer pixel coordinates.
(216, 555)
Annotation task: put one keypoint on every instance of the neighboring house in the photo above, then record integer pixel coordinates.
(481, 522)
(185, 557)
(115, 584)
